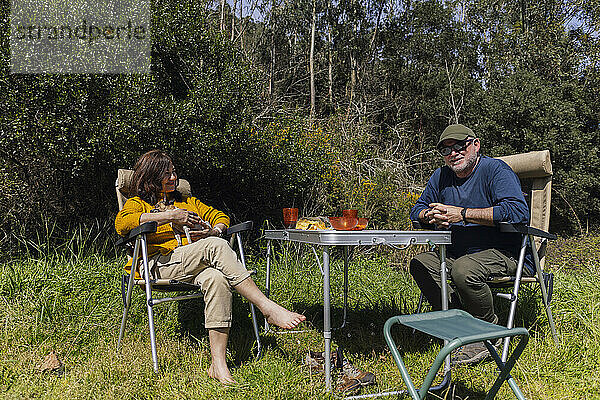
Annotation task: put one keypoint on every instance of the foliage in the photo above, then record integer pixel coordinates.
(366, 176)
(412, 68)
(524, 114)
(64, 136)
(290, 159)
(225, 88)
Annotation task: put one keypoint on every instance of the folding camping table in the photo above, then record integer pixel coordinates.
(399, 240)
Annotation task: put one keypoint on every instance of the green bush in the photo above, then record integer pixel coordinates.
(64, 136)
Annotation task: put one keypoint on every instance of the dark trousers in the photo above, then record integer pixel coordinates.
(468, 274)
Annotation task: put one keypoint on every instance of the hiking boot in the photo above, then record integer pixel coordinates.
(351, 372)
(347, 385)
(316, 360)
(471, 353)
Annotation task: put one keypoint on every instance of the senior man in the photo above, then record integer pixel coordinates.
(469, 196)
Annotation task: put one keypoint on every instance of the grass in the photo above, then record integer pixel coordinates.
(67, 299)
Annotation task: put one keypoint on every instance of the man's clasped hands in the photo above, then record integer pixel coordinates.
(442, 215)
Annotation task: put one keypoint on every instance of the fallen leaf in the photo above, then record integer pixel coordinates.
(52, 363)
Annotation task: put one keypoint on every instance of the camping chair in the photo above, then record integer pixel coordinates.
(536, 168)
(137, 238)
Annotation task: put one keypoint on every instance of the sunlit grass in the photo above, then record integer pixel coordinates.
(67, 299)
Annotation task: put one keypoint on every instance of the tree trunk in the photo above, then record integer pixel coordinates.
(272, 71)
(330, 55)
(330, 72)
(222, 26)
(233, 20)
(241, 27)
(374, 36)
(312, 60)
(353, 67)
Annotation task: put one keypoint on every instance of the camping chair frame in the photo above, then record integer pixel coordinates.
(139, 236)
(140, 267)
(528, 239)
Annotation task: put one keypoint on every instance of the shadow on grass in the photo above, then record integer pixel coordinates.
(242, 343)
(363, 333)
(459, 391)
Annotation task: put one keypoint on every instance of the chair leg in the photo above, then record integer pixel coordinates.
(418, 310)
(256, 333)
(505, 368)
(420, 304)
(514, 297)
(126, 305)
(149, 303)
(152, 334)
(412, 390)
(549, 284)
(122, 328)
(545, 297)
(127, 295)
(238, 239)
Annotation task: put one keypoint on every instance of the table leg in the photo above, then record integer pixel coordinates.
(444, 289)
(346, 263)
(443, 277)
(345, 311)
(326, 318)
(268, 279)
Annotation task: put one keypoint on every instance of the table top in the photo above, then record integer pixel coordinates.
(360, 238)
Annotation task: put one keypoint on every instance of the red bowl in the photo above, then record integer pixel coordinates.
(343, 223)
(362, 224)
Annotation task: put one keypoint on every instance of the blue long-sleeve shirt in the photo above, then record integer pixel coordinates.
(492, 184)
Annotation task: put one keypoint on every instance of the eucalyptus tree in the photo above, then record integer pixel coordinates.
(540, 63)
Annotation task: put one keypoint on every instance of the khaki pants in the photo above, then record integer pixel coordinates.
(469, 274)
(213, 265)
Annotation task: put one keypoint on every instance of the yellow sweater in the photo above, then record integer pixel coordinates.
(163, 240)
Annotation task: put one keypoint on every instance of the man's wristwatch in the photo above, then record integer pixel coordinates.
(463, 214)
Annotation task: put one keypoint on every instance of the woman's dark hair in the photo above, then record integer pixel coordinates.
(148, 173)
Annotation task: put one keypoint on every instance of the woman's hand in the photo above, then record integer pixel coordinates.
(204, 233)
(182, 217)
(179, 217)
(198, 234)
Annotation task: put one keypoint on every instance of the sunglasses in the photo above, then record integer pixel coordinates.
(458, 146)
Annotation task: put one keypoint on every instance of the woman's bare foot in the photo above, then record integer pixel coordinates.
(273, 312)
(221, 374)
(277, 315)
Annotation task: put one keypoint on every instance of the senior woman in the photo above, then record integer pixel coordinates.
(207, 261)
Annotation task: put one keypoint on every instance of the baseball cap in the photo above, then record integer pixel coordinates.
(456, 132)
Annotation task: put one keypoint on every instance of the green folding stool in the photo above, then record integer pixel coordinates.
(456, 328)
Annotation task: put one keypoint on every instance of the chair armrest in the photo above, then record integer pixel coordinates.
(241, 227)
(148, 227)
(525, 229)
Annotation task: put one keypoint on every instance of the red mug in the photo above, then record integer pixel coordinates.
(350, 213)
(290, 216)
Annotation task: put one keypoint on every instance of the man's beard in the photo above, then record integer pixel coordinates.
(468, 164)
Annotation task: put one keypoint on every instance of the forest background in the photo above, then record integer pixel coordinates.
(320, 104)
